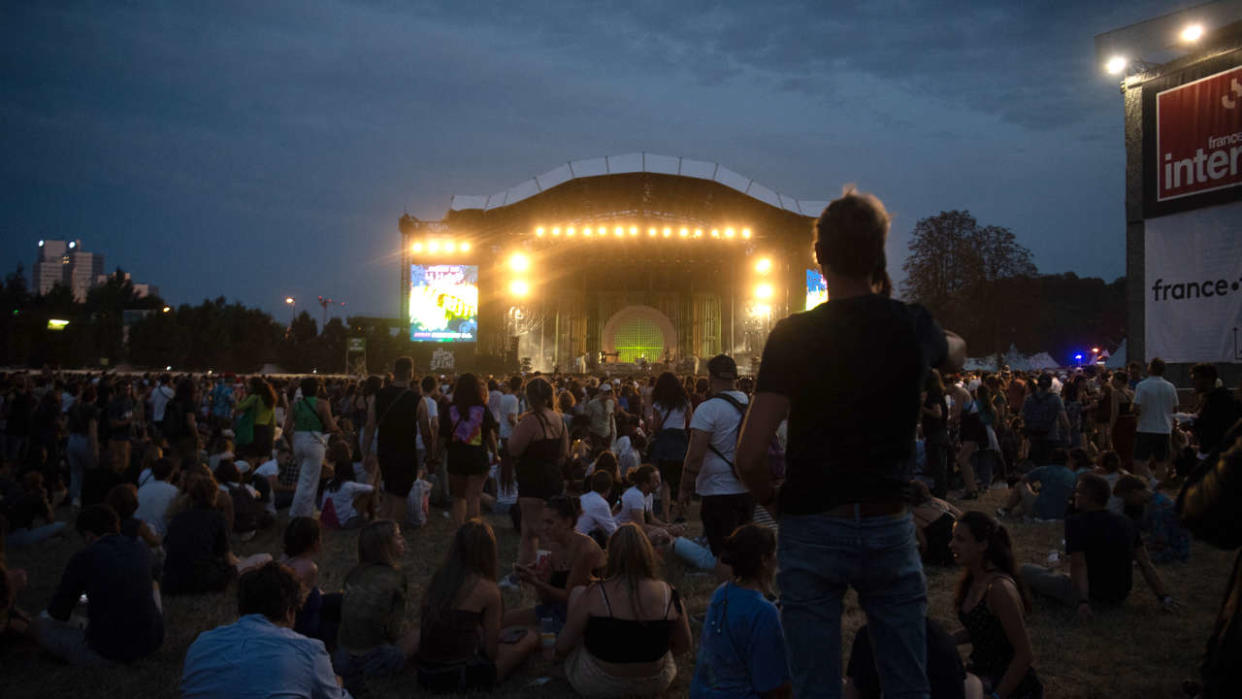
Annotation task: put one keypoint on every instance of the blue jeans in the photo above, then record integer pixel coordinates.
(821, 556)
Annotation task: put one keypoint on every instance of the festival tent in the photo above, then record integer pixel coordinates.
(1043, 360)
(1117, 360)
(980, 364)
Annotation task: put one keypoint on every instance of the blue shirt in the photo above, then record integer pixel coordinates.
(1056, 486)
(222, 400)
(742, 652)
(256, 658)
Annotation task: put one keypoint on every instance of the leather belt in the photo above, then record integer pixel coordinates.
(867, 509)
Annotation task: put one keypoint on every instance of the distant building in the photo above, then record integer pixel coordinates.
(84, 269)
(140, 290)
(66, 262)
(50, 265)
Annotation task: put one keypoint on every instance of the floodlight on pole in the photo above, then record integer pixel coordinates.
(1116, 65)
(1192, 33)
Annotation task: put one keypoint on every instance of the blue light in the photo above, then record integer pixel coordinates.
(1078, 357)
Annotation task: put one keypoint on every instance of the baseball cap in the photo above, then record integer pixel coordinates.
(722, 366)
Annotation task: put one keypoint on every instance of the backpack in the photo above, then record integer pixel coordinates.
(775, 454)
(1039, 413)
(418, 503)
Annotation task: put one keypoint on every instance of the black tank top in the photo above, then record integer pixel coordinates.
(396, 421)
(542, 452)
(616, 640)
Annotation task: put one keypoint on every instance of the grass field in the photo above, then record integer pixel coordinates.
(1136, 651)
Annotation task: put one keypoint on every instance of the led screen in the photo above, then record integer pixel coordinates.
(816, 289)
(444, 303)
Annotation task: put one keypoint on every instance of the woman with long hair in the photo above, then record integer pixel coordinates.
(991, 600)
(260, 407)
(622, 632)
(472, 433)
(742, 650)
(198, 557)
(371, 641)
(461, 648)
(670, 421)
(1123, 423)
(540, 444)
(308, 423)
(572, 560)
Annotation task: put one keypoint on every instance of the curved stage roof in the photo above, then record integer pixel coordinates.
(637, 163)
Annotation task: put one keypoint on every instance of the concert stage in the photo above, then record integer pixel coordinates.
(634, 259)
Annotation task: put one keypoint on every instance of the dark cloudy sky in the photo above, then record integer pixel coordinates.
(258, 149)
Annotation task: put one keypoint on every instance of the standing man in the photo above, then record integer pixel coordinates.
(120, 425)
(1218, 409)
(1042, 414)
(160, 395)
(429, 428)
(708, 468)
(600, 413)
(1155, 401)
(394, 415)
(848, 375)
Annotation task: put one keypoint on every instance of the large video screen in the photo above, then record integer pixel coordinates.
(816, 289)
(444, 303)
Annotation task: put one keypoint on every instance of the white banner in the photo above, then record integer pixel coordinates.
(1194, 285)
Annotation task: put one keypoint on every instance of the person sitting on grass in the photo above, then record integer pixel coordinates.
(198, 558)
(371, 641)
(1156, 516)
(596, 520)
(346, 502)
(742, 649)
(123, 499)
(260, 655)
(155, 496)
(461, 647)
(24, 507)
(1103, 548)
(573, 559)
(1056, 485)
(320, 615)
(991, 600)
(124, 617)
(945, 674)
(1111, 470)
(623, 631)
(637, 506)
(933, 519)
(249, 512)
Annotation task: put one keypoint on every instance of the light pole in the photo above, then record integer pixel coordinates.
(292, 303)
(325, 302)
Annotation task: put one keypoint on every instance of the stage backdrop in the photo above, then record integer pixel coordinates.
(1194, 285)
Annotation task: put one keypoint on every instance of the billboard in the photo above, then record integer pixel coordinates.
(1193, 285)
(444, 303)
(816, 289)
(1199, 136)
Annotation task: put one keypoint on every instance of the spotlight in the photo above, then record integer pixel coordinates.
(1192, 33)
(715, 232)
(288, 299)
(698, 232)
(539, 232)
(1116, 64)
(619, 231)
(569, 232)
(651, 232)
(417, 247)
(168, 309)
(450, 246)
(633, 230)
(519, 287)
(763, 291)
(683, 232)
(519, 262)
(587, 231)
(729, 232)
(667, 231)
(746, 233)
(556, 231)
(433, 246)
(764, 265)
(465, 247)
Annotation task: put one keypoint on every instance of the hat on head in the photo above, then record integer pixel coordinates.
(722, 366)
(605, 387)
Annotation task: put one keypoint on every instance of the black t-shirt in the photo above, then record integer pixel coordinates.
(196, 547)
(396, 422)
(945, 673)
(1109, 541)
(80, 416)
(123, 623)
(852, 370)
(120, 415)
(936, 429)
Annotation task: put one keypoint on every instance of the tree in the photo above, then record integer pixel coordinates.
(955, 268)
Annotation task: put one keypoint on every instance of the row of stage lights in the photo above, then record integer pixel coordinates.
(602, 232)
(439, 246)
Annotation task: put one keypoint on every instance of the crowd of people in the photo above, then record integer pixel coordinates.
(812, 478)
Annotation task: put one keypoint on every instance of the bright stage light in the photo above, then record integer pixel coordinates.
(465, 247)
(746, 233)
(1192, 33)
(667, 231)
(763, 291)
(698, 232)
(1115, 65)
(633, 230)
(587, 231)
(569, 232)
(729, 232)
(764, 265)
(556, 231)
(519, 288)
(618, 231)
(684, 232)
(715, 232)
(433, 246)
(651, 232)
(539, 232)
(450, 246)
(417, 247)
(1095, 350)
(519, 262)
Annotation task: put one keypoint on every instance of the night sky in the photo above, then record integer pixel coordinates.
(260, 149)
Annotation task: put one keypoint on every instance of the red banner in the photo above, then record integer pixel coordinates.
(1199, 136)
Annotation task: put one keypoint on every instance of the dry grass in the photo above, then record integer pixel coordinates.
(1137, 651)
